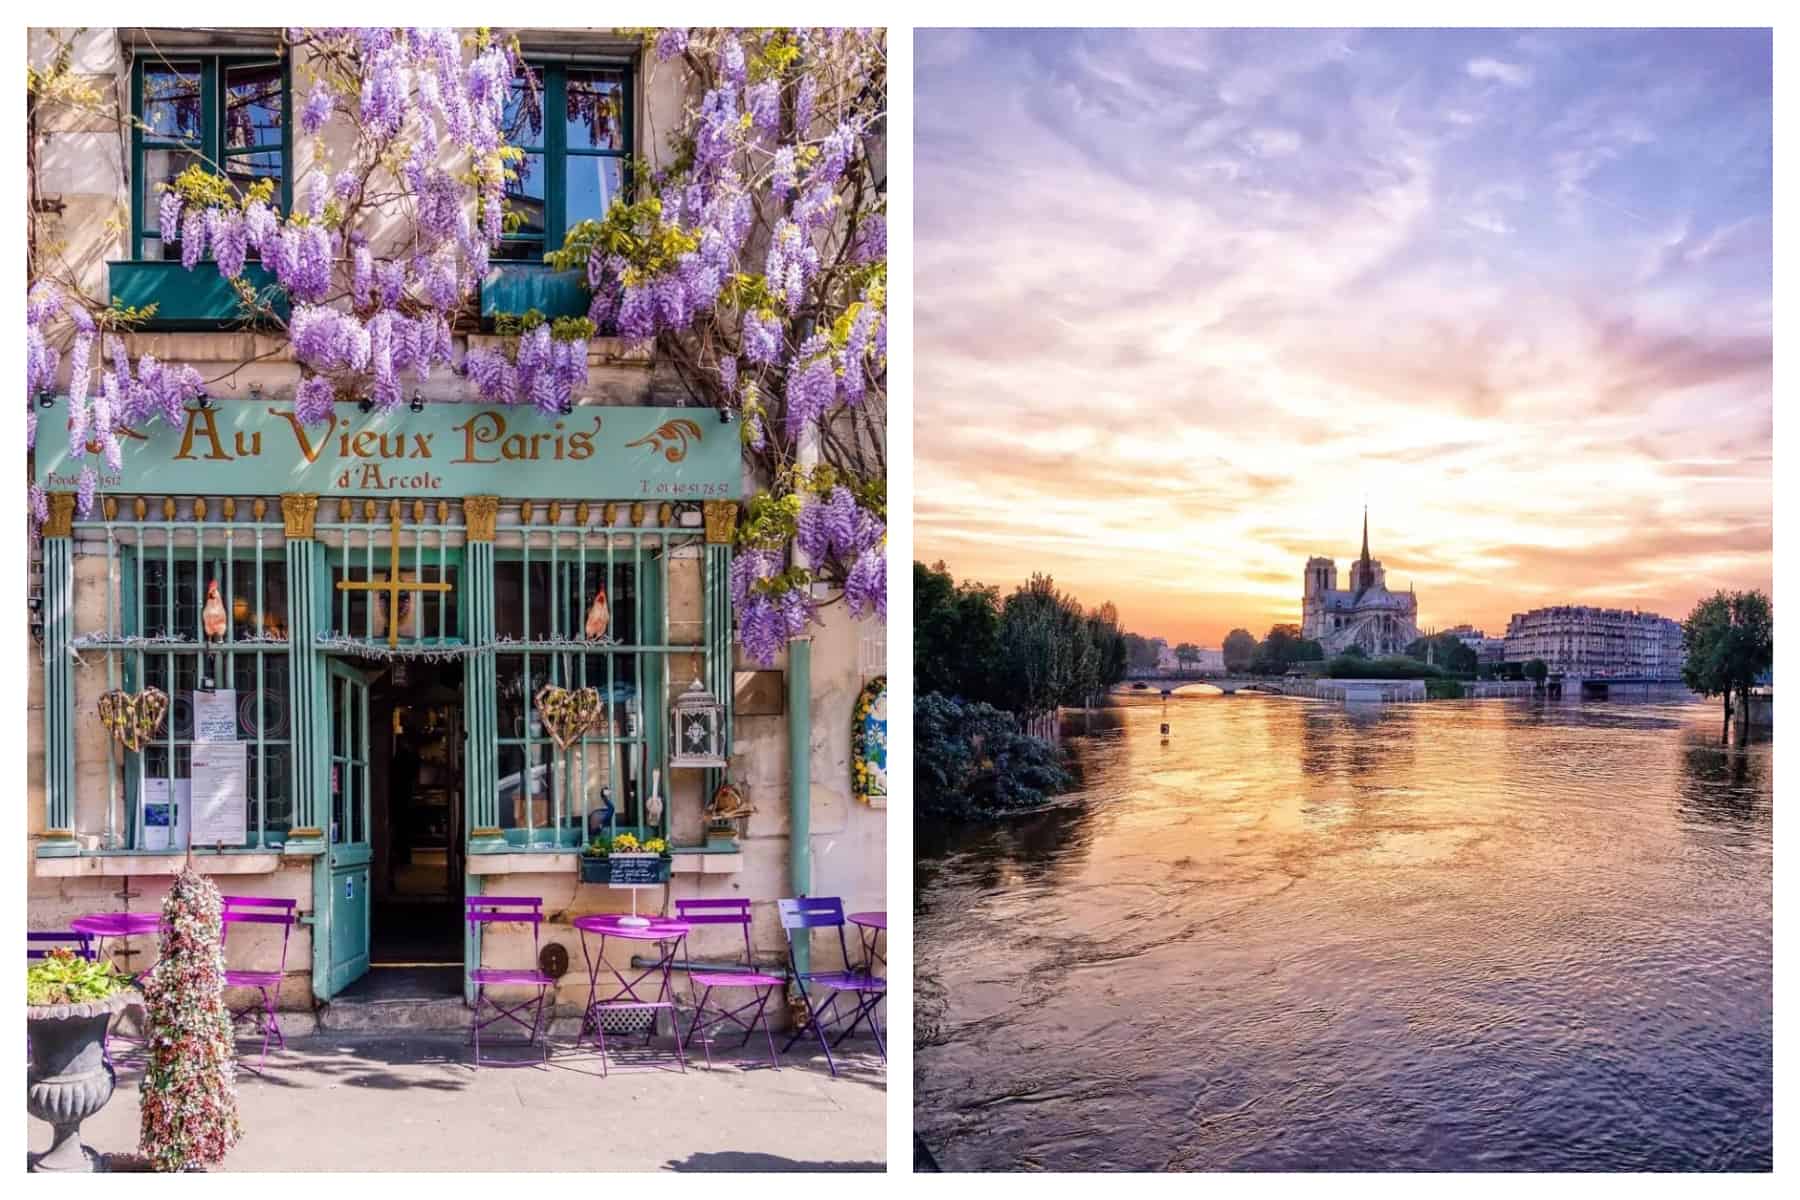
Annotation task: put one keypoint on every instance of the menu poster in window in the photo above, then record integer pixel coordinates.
(159, 813)
(215, 716)
(166, 809)
(220, 812)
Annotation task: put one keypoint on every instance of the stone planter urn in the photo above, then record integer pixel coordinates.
(68, 1079)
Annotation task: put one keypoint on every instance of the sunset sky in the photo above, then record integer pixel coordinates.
(1186, 299)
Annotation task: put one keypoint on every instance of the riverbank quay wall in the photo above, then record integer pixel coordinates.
(1358, 691)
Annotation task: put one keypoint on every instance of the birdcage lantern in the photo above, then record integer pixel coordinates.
(697, 720)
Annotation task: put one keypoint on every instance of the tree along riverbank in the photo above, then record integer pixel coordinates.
(989, 672)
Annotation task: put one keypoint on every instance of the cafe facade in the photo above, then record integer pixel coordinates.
(361, 632)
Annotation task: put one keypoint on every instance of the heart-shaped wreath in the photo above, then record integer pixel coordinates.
(134, 720)
(568, 712)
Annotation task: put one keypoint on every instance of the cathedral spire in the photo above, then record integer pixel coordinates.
(1365, 553)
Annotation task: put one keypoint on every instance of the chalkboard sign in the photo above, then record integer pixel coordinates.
(636, 870)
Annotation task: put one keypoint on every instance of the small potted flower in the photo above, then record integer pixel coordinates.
(69, 1001)
(596, 859)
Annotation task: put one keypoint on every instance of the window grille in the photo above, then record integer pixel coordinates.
(153, 562)
(371, 542)
(551, 562)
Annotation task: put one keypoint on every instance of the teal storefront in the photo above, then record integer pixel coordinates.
(354, 627)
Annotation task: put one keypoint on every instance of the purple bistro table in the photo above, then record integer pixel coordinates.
(869, 928)
(668, 935)
(118, 926)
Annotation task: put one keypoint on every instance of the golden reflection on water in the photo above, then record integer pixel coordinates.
(1352, 914)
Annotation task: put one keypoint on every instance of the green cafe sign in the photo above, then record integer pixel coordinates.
(260, 448)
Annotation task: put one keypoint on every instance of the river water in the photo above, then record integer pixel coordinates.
(1482, 935)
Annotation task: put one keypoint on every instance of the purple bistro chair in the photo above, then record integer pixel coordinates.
(760, 985)
(118, 926)
(524, 910)
(798, 918)
(81, 944)
(259, 910)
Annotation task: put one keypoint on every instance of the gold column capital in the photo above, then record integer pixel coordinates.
(721, 521)
(61, 521)
(298, 512)
(480, 514)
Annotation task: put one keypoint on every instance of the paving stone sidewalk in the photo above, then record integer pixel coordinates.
(413, 1103)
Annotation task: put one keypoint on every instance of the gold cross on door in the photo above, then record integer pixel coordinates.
(393, 585)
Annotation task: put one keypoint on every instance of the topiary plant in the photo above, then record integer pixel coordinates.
(189, 1094)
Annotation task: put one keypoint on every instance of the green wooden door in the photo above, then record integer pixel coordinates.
(348, 852)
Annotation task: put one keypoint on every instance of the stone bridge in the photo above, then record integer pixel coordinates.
(1228, 684)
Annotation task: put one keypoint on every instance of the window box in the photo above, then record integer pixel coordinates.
(516, 288)
(196, 299)
(544, 838)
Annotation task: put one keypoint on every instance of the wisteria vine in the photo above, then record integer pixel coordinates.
(751, 260)
(757, 266)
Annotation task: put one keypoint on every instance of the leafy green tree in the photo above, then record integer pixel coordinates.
(1141, 653)
(1354, 651)
(1445, 650)
(1038, 661)
(1239, 650)
(1729, 642)
(1185, 653)
(1109, 644)
(956, 635)
(1282, 649)
(1537, 670)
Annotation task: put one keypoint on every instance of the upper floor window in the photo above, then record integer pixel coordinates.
(573, 123)
(229, 115)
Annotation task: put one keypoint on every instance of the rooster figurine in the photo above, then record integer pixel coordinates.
(212, 617)
(597, 616)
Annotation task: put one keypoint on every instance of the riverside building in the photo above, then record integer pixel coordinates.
(352, 622)
(1487, 649)
(1597, 642)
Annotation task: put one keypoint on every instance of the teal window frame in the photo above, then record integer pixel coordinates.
(556, 152)
(211, 145)
(570, 769)
(371, 562)
(127, 619)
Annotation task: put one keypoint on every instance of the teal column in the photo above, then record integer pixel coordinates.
(472, 941)
(481, 721)
(59, 684)
(799, 703)
(720, 679)
(309, 700)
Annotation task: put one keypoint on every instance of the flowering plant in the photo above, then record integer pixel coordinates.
(626, 843)
(750, 256)
(64, 977)
(756, 264)
(188, 1097)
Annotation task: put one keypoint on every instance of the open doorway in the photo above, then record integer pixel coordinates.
(416, 814)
